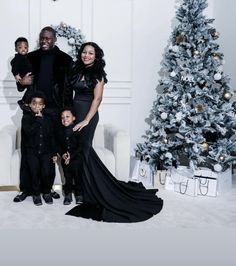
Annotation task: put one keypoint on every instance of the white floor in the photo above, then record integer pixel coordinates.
(141, 241)
(179, 211)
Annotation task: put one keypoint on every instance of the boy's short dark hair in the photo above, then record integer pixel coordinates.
(37, 94)
(20, 39)
(71, 109)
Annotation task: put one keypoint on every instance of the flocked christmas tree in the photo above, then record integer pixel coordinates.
(194, 115)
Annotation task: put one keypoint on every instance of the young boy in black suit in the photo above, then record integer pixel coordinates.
(70, 152)
(40, 147)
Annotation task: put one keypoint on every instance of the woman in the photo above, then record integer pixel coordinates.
(105, 198)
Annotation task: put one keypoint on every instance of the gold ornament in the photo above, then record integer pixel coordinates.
(199, 108)
(227, 95)
(216, 56)
(205, 146)
(180, 38)
(165, 140)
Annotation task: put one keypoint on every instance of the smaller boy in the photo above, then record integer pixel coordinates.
(21, 66)
(70, 152)
(40, 148)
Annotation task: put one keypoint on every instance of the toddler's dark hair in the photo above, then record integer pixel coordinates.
(20, 39)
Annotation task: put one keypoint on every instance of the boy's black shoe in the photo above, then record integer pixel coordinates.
(55, 195)
(37, 200)
(20, 197)
(48, 198)
(67, 199)
(78, 199)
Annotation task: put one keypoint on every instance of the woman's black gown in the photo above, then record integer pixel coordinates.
(106, 198)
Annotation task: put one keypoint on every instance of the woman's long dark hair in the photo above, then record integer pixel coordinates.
(90, 73)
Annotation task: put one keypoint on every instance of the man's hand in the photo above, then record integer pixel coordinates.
(66, 157)
(17, 78)
(27, 80)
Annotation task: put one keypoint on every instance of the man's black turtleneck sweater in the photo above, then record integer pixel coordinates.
(45, 79)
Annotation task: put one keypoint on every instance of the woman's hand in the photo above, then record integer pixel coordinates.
(80, 125)
(54, 159)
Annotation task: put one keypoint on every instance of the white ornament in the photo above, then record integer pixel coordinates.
(205, 71)
(175, 48)
(217, 167)
(169, 155)
(154, 121)
(173, 74)
(63, 24)
(217, 76)
(196, 52)
(195, 148)
(179, 116)
(164, 115)
(71, 41)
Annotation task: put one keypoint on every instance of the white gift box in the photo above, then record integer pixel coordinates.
(203, 171)
(181, 172)
(176, 176)
(202, 181)
(224, 181)
(212, 183)
(169, 184)
(207, 186)
(207, 182)
(188, 186)
(159, 178)
(134, 176)
(143, 172)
